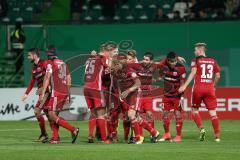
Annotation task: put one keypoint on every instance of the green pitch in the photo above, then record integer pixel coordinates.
(17, 143)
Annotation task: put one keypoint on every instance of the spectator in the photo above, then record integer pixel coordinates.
(176, 15)
(160, 15)
(17, 40)
(231, 7)
(76, 9)
(3, 8)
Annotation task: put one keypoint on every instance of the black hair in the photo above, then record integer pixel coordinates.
(150, 55)
(171, 55)
(35, 51)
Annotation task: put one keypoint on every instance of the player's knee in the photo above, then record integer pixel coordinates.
(195, 111)
(212, 113)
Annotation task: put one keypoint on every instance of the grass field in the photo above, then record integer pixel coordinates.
(17, 142)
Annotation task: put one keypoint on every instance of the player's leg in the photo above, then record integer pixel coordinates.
(197, 97)
(126, 127)
(53, 115)
(211, 104)
(166, 119)
(146, 125)
(41, 122)
(134, 123)
(166, 124)
(91, 126)
(101, 123)
(179, 123)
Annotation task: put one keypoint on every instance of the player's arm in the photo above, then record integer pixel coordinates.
(188, 81)
(216, 79)
(29, 88)
(136, 85)
(46, 82)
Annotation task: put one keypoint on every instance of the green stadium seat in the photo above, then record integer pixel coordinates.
(151, 11)
(96, 12)
(37, 5)
(124, 11)
(27, 14)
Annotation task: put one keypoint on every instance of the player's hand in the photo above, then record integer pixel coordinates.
(24, 97)
(41, 97)
(39, 90)
(181, 60)
(125, 94)
(181, 89)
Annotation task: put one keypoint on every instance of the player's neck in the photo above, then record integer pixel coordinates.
(36, 60)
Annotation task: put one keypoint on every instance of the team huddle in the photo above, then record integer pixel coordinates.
(118, 85)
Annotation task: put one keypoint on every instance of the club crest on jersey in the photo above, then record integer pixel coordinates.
(134, 75)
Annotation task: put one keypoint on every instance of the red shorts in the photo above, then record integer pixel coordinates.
(45, 102)
(94, 98)
(145, 104)
(170, 103)
(56, 103)
(130, 102)
(205, 95)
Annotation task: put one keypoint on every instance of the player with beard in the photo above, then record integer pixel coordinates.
(38, 72)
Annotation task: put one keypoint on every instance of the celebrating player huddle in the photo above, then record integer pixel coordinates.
(118, 86)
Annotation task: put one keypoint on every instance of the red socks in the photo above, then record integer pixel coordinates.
(197, 119)
(54, 128)
(148, 127)
(215, 124)
(179, 122)
(41, 123)
(126, 128)
(91, 126)
(65, 124)
(101, 124)
(135, 126)
(166, 123)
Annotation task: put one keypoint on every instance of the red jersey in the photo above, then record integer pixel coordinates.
(125, 78)
(59, 72)
(94, 71)
(145, 73)
(206, 69)
(38, 72)
(172, 79)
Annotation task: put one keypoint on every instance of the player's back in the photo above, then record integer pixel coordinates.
(207, 67)
(93, 72)
(59, 77)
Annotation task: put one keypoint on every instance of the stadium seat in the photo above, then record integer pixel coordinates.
(151, 11)
(124, 11)
(96, 12)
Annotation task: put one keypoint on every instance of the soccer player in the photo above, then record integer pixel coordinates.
(174, 75)
(58, 77)
(132, 56)
(206, 74)
(38, 72)
(97, 77)
(145, 69)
